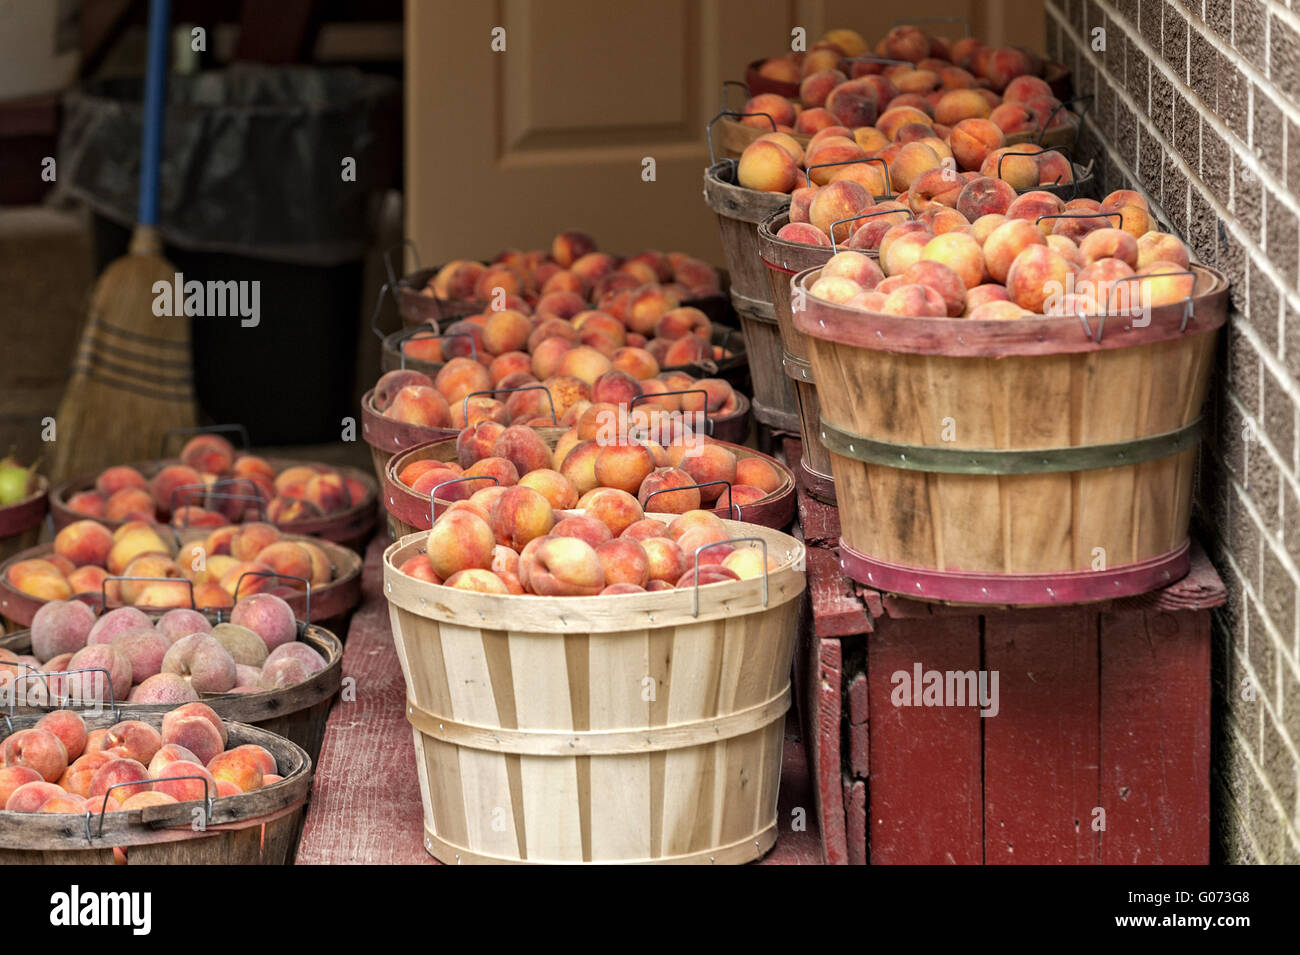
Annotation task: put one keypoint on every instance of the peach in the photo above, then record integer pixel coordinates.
(958, 105)
(145, 800)
(682, 321)
(69, 727)
(121, 777)
(1013, 118)
(570, 245)
(767, 167)
(816, 86)
(456, 279)
(132, 739)
(614, 507)
(30, 796)
(664, 559)
(244, 645)
(748, 562)
(508, 363)
(636, 362)
(617, 387)
(804, 233)
(329, 492)
(579, 466)
(710, 463)
(251, 539)
(385, 391)
(1159, 247)
(985, 196)
(90, 503)
(111, 480)
(108, 673)
(758, 473)
(151, 566)
(777, 108)
(460, 377)
(1024, 88)
(506, 331)
(972, 140)
(243, 768)
(959, 252)
(1031, 206)
(624, 561)
(558, 490)
(203, 660)
(184, 781)
(164, 688)
(942, 279)
(711, 574)
(584, 363)
(166, 483)
(839, 201)
(1134, 219)
(1095, 287)
(1006, 242)
(1066, 247)
(664, 483)
(983, 227)
(37, 749)
(912, 160)
(1167, 288)
(1037, 274)
(914, 300)
(997, 311)
(519, 515)
(459, 540)
(501, 470)
(690, 350)
(208, 454)
(1054, 169)
(267, 615)
(983, 294)
(84, 542)
(475, 442)
(589, 529)
(12, 777)
(854, 266)
(915, 81)
(623, 466)
(645, 529)
(61, 626)
(130, 541)
(1105, 243)
(420, 568)
(523, 448)
(145, 649)
(565, 392)
(563, 566)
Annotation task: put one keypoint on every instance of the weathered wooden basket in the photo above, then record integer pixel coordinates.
(1047, 460)
(20, 524)
(298, 712)
(387, 437)
(351, 527)
(253, 828)
(739, 210)
(782, 259)
(331, 603)
(409, 511)
(641, 728)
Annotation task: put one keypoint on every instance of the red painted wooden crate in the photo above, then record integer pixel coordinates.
(1104, 708)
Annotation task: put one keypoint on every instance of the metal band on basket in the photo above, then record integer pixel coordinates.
(915, 457)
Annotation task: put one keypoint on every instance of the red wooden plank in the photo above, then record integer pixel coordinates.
(925, 800)
(825, 677)
(872, 599)
(858, 761)
(836, 609)
(855, 812)
(1155, 737)
(1040, 749)
(1201, 589)
(365, 803)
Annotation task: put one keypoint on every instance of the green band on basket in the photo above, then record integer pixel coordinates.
(914, 457)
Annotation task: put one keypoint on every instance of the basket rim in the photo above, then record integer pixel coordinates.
(608, 614)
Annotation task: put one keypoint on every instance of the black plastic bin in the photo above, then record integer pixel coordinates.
(252, 190)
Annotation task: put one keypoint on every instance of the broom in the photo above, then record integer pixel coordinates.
(132, 378)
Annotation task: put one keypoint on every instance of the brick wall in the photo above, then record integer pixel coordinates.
(1197, 105)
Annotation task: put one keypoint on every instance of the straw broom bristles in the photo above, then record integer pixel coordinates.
(132, 376)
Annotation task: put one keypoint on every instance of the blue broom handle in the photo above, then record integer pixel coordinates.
(155, 83)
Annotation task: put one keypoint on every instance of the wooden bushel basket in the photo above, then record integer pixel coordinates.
(1047, 460)
(640, 728)
(782, 259)
(20, 524)
(387, 436)
(409, 512)
(739, 211)
(253, 828)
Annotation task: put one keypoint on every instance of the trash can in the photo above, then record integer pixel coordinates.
(270, 185)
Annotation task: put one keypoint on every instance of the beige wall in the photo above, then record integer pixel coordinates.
(505, 149)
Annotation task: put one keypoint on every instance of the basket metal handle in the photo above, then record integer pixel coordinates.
(866, 215)
(44, 677)
(270, 573)
(433, 492)
(419, 333)
(708, 419)
(393, 278)
(103, 809)
(732, 507)
(731, 540)
(889, 187)
(708, 127)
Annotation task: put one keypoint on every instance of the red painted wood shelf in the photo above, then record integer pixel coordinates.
(1104, 721)
(365, 803)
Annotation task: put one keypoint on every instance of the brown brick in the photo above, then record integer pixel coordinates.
(1264, 485)
(1292, 158)
(1291, 711)
(1279, 764)
(1283, 55)
(1231, 261)
(1291, 522)
(1231, 448)
(1279, 417)
(1266, 137)
(1174, 41)
(1187, 132)
(1261, 650)
(1279, 590)
(1204, 70)
(1074, 16)
(1263, 304)
(1126, 135)
(1249, 23)
(1129, 10)
(1282, 240)
(1202, 228)
(1173, 195)
(1150, 159)
(1243, 370)
(1162, 105)
(1137, 76)
(1247, 198)
(1233, 98)
(1114, 56)
(1218, 14)
(1149, 22)
(1216, 167)
(1103, 109)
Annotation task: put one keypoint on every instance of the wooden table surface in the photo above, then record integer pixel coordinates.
(365, 802)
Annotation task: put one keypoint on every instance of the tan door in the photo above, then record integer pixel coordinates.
(505, 148)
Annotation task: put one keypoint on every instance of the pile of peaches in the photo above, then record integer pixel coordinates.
(59, 765)
(86, 552)
(297, 493)
(573, 380)
(175, 659)
(1008, 266)
(600, 465)
(914, 117)
(516, 547)
(573, 264)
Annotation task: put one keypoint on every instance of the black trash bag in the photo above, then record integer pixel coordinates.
(252, 159)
